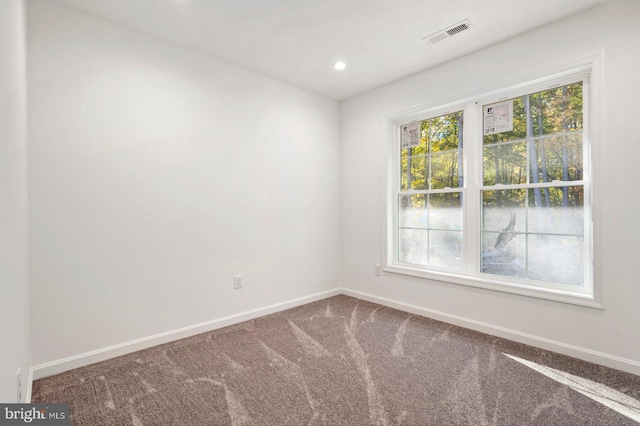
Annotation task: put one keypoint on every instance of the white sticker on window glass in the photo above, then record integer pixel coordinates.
(410, 135)
(498, 117)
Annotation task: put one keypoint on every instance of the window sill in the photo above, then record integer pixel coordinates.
(573, 298)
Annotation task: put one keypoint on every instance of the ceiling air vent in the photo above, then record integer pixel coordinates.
(448, 32)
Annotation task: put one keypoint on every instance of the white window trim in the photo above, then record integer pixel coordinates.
(589, 295)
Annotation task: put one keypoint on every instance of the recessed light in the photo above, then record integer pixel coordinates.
(340, 65)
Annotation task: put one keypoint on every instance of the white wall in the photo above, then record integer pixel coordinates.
(156, 174)
(14, 296)
(614, 331)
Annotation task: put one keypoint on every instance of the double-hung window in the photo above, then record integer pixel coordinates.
(496, 191)
(430, 228)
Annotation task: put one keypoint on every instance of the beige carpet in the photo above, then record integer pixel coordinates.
(344, 361)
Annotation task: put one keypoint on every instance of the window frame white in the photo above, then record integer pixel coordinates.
(587, 295)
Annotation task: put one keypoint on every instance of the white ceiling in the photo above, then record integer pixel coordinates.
(298, 41)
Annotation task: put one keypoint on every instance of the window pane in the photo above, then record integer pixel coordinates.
(559, 158)
(413, 171)
(558, 110)
(556, 210)
(444, 170)
(445, 211)
(413, 246)
(413, 213)
(504, 210)
(418, 168)
(403, 170)
(504, 254)
(443, 132)
(505, 164)
(445, 249)
(557, 259)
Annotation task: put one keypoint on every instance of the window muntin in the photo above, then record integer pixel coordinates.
(550, 199)
(430, 225)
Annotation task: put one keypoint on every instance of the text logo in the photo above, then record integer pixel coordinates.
(34, 414)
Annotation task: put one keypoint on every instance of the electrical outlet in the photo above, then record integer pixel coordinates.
(237, 281)
(19, 385)
(378, 270)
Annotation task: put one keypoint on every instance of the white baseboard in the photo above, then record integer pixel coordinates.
(81, 360)
(584, 354)
(87, 358)
(27, 396)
